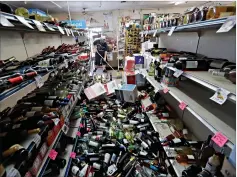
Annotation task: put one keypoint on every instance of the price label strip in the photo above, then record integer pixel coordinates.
(39, 81)
(182, 105)
(47, 25)
(39, 25)
(61, 30)
(220, 96)
(228, 25)
(219, 139)
(178, 73)
(23, 21)
(171, 30)
(53, 154)
(4, 21)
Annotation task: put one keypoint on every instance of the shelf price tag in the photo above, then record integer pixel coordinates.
(23, 21)
(61, 30)
(154, 35)
(53, 154)
(182, 105)
(79, 134)
(171, 30)
(39, 81)
(66, 31)
(72, 32)
(47, 25)
(65, 128)
(39, 25)
(4, 21)
(220, 96)
(73, 155)
(165, 90)
(177, 73)
(219, 139)
(228, 25)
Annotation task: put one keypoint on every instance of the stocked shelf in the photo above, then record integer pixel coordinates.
(213, 123)
(192, 26)
(20, 27)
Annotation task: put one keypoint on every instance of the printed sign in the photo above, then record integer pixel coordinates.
(219, 139)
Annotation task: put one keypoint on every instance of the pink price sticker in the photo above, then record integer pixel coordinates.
(53, 154)
(219, 139)
(182, 105)
(73, 155)
(79, 134)
(166, 90)
(81, 125)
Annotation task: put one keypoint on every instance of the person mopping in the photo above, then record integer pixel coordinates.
(101, 53)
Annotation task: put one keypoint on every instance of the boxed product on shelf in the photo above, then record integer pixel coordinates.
(170, 81)
(129, 64)
(110, 87)
(95, 91)
(127, 93)
(129, 77)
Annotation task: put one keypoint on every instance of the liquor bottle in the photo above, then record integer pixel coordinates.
(212, 164)
(151, 70)
(206, 151)
(191, 171)
(188, 159)
(176, 142)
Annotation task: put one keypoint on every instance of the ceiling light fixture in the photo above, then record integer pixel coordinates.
(56, 4)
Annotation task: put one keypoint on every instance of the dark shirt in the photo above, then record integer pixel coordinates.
(101, 47)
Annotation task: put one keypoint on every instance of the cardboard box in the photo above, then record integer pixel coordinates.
(129, 77)
(139, 61)
(110, 87)
(129, 64)
(127, 93)
(94, 91)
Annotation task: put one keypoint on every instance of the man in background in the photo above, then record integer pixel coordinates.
(100, 53)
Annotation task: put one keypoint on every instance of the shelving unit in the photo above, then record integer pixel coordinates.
(18, 26)
(213, 123)
(192, 26)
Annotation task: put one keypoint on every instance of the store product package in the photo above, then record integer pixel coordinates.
(170, 81)
(129, 64)
(127, 93)
(139, 61)
(110, 87)
(140, 79)
(95, 91)
(129, 77)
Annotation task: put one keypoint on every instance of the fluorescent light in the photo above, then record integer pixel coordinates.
(56, 4)
(179, 2)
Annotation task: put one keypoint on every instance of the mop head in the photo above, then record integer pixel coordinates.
(119, 75)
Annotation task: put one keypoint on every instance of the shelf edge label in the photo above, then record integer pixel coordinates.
(219, 139)
(171, 30)
(228, 25)
(5, 22)
(23, 21)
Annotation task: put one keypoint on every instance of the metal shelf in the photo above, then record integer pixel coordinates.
(211, 82)
(10, 97)
(192, 26)
(21, 27)
(213, 123)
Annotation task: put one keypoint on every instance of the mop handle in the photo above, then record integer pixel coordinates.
(105, 60)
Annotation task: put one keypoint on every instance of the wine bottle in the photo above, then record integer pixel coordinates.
(176, 142)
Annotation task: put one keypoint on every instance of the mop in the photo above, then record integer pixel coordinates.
(119, 76)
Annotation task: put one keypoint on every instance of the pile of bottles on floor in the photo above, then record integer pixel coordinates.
(14, 72)
(188, 61)
(117, 139)
(28, 129)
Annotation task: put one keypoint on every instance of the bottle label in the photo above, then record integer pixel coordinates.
(16, 126)
(107, 158)
(30, 113)
(56, 121)
(96, 166)
(36, 166)
(176, 140)
(143, 153)
(211, 168)
(16, 80)
(37, 140)
(144, 145)
(111, 170)
(48, 102)
(185, 131)
(36, 108)
(92, 143)
(191, 64)
(52, 97)
(94, 159)
(75, 170)
(44, 62)
(13, 173)
(191, 157)
(165, 114)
